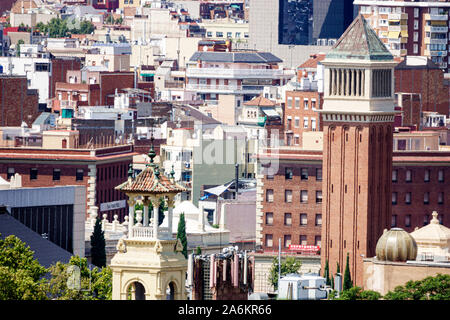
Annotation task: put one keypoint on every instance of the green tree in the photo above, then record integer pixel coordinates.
(357, 293)
(98, 251)
(326, 273)
(19, 43)
(430, 288)
(21, 275)
(181, 234)
(289, 265)
(198, 251)
(95, 284)
(347, 277)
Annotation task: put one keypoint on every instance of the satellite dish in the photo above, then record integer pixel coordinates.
(205, 48)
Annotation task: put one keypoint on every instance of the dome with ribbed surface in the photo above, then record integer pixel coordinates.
(396, 245)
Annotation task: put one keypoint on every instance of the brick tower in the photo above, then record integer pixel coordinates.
(357, 115)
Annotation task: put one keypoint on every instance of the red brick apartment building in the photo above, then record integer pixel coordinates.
(17, 103)
(290, 201)
(99, 170)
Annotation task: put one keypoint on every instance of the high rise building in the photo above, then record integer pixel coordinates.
(293, 29)
(357, 118)
(411, 28)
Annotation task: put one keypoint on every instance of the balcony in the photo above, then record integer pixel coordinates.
(436, 29)
(146, 233)
(222, 73)
(402, 27)
(174, 84)
(397, 16)
(435, 41)
(436, 17)
(399, 52)
(435, 53)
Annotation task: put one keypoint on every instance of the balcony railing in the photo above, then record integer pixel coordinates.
(436, 17)
(141, 233)
(174, 84)
(212, 87)
(436, 29)
(235, 73)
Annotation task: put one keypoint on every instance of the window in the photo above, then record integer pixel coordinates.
(416, 12)
(318, 241)
(289, 102)
(287, 219)
(394, 197)
(297, 122)
(297, 103)
(297, 140)
(305, 122)
(440, 198)
(219, 34)
(426, 198)
(42, 67)
(319, 174)
(441, 175)
(79, 175)
(288, 196)
(427, 176)
(313, 124)
(394, 175)
(287, 240)
(319, 196)
(303, 219)
(56, 174)
(288, 173)
(209, 34)
(408, 198)
(229, 34)
(394, 221)
(305, 104)
(33, 173)
(269, 240)
(269, 218)
(425, 219)
(416, 36)
(238, 34)
(269, 195)
(304, 196)
(416, 48)
(318, 219)
(304, 174)
(313, 104)
(408, 176)
(303, 241)
(11, 173)
(408, 220)
(416, 24)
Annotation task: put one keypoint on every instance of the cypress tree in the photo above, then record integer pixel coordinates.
(326, 273)
(181, 234)
(98, 251)
(347, 277)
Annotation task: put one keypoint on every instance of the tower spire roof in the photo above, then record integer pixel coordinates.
(360, 42)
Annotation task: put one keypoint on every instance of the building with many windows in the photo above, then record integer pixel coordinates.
(411, 27)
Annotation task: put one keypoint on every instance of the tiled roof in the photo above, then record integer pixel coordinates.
(312, 62)
(360, 41)
(147, 182)
(260, 101)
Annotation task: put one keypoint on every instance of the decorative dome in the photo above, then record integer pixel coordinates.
(396, 245)
(433, 234)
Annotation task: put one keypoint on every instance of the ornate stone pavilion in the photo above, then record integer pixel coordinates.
(149, 264)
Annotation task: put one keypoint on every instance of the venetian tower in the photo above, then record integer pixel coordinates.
(149, 261)
(357, 115)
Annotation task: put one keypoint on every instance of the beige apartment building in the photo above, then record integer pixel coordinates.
(411, 27)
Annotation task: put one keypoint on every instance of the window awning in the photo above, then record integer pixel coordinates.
(438, 23)
(404, 33)
(219, 189)
(147, 74)
(394, 34)
(270, 112)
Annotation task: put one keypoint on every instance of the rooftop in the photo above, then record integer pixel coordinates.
(360, 42)
(236, 57)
